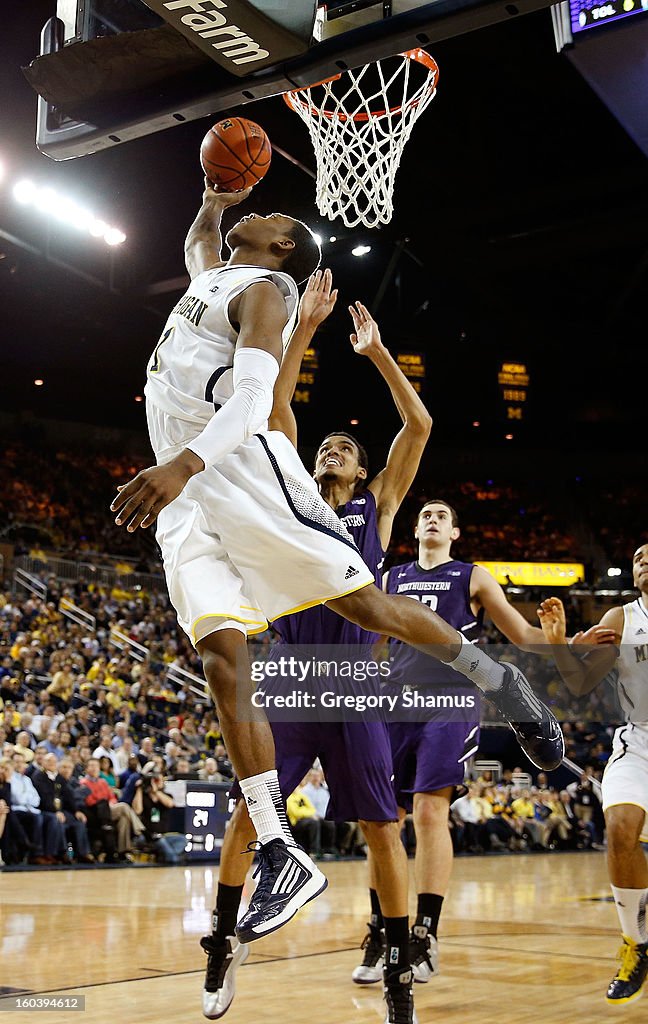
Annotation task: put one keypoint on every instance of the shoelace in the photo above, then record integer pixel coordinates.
(629, 957)
(373, 947)
(266, 867)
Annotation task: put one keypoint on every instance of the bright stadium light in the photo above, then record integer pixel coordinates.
(318, 238)
(24, 191)
(361, 250)
(66, 210)
(613, 571)
(46, 200)
(98, 228)
(114, 237)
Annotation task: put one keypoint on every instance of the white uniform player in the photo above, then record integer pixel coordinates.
(246, 536)
(626, 774)
(625, 780)
(250, 538)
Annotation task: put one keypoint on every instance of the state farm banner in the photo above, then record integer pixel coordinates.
(237, 34)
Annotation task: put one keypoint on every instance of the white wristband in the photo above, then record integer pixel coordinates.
(246, 412)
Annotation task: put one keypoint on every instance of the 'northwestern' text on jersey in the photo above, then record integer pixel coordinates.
(446, 590)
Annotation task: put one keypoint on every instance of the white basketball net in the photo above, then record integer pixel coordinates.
(359, 124)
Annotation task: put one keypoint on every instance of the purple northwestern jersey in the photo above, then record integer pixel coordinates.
(446, 590)
(429, 750)
(319, 625)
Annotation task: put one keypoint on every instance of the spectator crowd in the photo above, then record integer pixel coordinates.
(102, 705)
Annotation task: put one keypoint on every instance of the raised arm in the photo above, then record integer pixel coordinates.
(261, 315)
(392, 483)
(485, 590)
(581, 674)
(315, 306)
(203, 243)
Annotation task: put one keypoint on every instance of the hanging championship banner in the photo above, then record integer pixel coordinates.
(412, 365)
(307, 376)
(513, 379)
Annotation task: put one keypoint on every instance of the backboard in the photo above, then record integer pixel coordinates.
(115, 70)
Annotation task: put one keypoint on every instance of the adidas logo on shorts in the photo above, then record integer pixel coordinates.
(351, 572)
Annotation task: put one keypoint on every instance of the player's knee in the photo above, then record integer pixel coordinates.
(430, 812)
(381, 836)
(624, 824)
(365, 607)
(220, 672)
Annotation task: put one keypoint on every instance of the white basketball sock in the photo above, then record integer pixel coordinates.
(475, 665)
(631, 908)
(266, 807)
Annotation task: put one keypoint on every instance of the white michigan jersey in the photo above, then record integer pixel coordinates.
(625, 780)
(632, 664)
(189, 375)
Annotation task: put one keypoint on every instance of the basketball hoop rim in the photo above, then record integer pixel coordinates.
(294, 101)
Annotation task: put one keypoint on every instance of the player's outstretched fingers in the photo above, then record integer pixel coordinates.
(149, 518)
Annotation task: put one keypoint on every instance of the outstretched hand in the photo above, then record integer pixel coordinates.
(140, 501)
(318, 299)
(224, 198)
(366, 339)
(552, 620)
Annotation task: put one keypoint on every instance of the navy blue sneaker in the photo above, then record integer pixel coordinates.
(628, 982)
(288, 879)
(535, 726)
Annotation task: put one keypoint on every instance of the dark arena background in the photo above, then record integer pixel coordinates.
(510, 287)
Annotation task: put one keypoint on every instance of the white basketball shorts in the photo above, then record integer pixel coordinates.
(625, 779)
(251, 539)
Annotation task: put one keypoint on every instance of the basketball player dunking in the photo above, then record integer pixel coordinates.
(625, 779)
(429, 753)
(355, 756)
(244, 533)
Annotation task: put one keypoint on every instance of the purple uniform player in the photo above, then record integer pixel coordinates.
(347, 750)
(429, 754)
(355, 756)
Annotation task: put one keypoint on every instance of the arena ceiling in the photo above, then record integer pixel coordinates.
(519, 233)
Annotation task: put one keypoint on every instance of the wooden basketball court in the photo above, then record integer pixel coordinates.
(524, 939)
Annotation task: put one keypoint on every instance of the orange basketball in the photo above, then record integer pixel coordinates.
(235, 154)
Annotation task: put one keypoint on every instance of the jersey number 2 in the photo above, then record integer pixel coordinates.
(155, 364)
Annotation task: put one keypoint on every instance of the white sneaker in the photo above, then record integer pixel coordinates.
(288, 879)
(371, 968)
(223, 960)
(424, 956)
